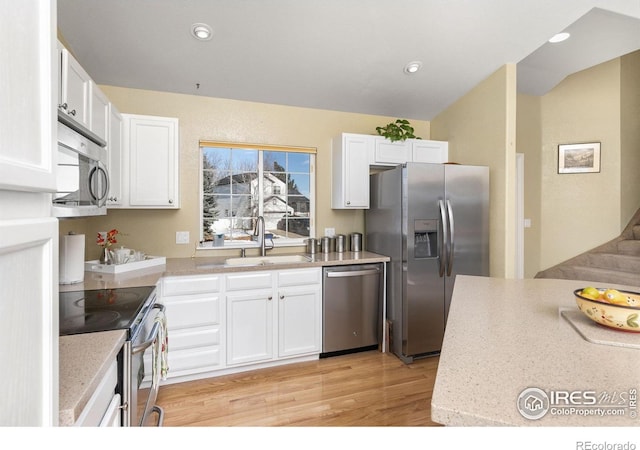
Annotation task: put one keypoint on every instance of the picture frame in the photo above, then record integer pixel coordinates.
(579, 158)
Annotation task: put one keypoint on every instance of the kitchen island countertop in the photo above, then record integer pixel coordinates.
(506, 336)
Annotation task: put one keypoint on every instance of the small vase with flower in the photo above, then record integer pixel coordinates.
(105, 241)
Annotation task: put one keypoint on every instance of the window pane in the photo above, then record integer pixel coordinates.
(244, 161)
(299, 184)
(299, 162)
(274, 161)
(216, 158)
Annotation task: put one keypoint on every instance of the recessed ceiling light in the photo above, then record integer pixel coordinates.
(412, 67)
(559, 38)
(201, 31)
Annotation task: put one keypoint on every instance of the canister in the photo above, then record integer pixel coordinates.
(341, 243)
(356, 242)
(312, 245)
(328, 244)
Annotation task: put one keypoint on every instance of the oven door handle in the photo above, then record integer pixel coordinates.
(152, 336)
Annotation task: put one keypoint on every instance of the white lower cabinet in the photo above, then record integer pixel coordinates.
(103, 407)
(299, 312)
(194, 311)
(229, 322)
(250, 326)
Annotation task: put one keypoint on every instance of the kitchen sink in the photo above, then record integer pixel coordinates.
(266, 260)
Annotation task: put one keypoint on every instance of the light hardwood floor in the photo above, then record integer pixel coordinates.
(360, 389)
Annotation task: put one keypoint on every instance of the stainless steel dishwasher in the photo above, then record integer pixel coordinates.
(351, 307)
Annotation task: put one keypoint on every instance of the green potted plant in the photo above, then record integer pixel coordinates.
(400, 130)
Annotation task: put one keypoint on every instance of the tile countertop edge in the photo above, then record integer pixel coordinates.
(79, 377)
(505, 336)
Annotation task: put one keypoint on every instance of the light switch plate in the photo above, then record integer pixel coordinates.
(182, 237)
(330, 232)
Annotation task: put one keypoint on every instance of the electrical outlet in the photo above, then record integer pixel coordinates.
(182, 237)
(330, 232)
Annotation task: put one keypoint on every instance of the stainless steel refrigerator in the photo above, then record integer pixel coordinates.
(432, 220)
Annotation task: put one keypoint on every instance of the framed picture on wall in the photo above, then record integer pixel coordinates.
(579, 158)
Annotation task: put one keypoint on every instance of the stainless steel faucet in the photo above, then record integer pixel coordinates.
(259, 231)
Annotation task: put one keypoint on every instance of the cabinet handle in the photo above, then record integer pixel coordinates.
(170, 202)
(282, 297)
(270, 298)
(63, 106)
(348, 202)
(72, 113)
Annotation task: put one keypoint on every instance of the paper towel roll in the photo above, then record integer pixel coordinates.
(71, 259)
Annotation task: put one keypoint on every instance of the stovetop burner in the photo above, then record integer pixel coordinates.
(101, 309)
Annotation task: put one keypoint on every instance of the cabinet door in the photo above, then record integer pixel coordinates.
(113, 416)
(299, 320)
(350, 172)
(28, 81)
(152, 145)
(114, 154)
(99, 107)
(429, 151)
(249, 327)
(75, 89)
(393, 153)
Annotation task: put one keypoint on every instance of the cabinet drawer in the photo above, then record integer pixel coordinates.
(299, 277)
(190, 285)
(250, 280)
(192, 311)
(193, 338)
(202, 358)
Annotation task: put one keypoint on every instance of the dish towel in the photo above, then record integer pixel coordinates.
(161, 351)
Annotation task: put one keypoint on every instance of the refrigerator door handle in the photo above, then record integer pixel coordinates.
(442, 260)
(451, 238)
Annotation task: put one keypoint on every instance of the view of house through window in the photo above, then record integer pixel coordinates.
(241, 183)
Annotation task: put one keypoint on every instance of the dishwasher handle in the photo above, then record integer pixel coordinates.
(352, 273)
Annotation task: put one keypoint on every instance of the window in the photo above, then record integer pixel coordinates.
(242, 182)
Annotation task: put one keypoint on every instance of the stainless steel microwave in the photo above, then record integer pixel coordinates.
(82, 180)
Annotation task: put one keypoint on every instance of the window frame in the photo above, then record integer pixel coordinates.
(261, 148)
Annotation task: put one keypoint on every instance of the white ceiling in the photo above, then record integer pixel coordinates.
(343, 55)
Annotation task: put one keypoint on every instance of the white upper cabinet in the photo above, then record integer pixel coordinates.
(429, 151)
(28, 89)
(75, 89)
(99, 111)
(114, 154)
(151, 149)
(387, 152)
(351, 154)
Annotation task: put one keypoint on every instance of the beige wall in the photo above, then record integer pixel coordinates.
(630, 136)
(529, 143)
(580, 211)
(226, 120)
(480, 128)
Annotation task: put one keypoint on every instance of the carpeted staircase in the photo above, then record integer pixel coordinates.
(616, 262)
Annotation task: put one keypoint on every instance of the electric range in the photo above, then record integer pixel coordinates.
(136, 311)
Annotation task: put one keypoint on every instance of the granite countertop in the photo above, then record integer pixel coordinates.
(83, 361)
(506, 336)
(211, 264)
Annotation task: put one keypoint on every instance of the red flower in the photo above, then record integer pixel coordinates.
(111, 238)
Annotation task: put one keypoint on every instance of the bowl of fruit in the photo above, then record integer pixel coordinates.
(613, 308)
